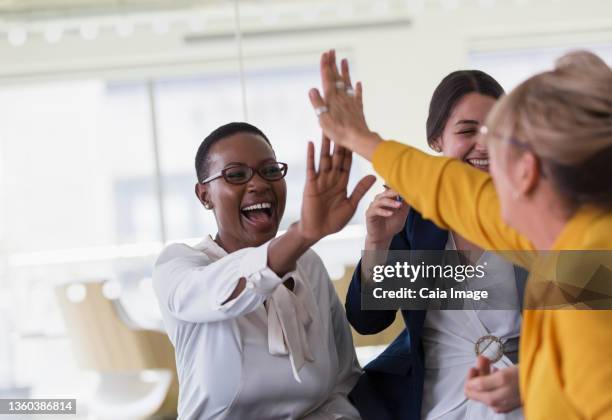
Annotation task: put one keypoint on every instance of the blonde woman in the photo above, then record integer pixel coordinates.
(550, 143)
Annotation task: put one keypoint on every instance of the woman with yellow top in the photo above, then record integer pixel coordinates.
(549, 188)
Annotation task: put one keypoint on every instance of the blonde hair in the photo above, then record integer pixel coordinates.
(565, 117)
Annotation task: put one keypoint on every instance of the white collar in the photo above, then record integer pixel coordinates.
(211, 248)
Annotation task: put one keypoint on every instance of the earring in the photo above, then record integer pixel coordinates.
(207, 205)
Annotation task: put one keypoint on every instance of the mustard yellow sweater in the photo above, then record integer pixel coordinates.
(565, 355)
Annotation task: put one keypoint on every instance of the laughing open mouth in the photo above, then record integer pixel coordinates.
(479, 163)
(259, 214)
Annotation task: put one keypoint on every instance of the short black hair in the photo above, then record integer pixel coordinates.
(201, 160)
(450, 91)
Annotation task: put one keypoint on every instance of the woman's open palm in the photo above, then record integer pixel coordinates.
(326, 207)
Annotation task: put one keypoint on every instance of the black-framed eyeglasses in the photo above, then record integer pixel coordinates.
(241, 174)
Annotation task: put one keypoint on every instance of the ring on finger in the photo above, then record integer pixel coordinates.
(321, 110)
(340, 84)
(350, 91)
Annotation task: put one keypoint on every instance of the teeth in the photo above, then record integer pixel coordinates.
(257, 206)
(480, 162)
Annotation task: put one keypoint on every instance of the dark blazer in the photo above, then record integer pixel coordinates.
(391, 386)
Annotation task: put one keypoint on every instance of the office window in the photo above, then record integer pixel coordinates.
(79, 193)
(69, 143)
(511, 67)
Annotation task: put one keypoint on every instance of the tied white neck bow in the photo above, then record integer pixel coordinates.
(288, 321)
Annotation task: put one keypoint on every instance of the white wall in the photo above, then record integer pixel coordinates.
(399, 65)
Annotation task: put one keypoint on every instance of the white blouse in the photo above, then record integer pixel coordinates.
(449, 337)
(270, 353)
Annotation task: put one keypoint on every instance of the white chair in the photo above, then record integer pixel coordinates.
(136, 367)
(130, 395)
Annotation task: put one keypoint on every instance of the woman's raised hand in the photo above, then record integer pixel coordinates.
(340, 109)
(326, 207)
(385, 217)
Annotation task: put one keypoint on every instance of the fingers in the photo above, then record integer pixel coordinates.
(310, 166)
(328, 76)
(346, 76)
(380, 212)
(316, 100)
(501, 400)
(325, 162)
(387, 202)
(334, 66)
(472, 373)
(348, 161)
(383, 206)
(388, 192)
(487, 383)
(359, 94)
(483, 365)
(498, 390)
(386, 199)
(338, 157)
(361, 189)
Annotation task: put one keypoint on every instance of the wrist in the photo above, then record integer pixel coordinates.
(296, 230)
(364, 142)
(377, 243)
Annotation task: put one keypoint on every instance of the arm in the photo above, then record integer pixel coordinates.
(385, 221)
(453, 195)
(364, 322)
(192, 288)
(283, 252)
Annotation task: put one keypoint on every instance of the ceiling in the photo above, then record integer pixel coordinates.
(51, 18)
(49, 8)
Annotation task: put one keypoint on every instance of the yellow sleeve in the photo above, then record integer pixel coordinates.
(453, 195)
(586, 370)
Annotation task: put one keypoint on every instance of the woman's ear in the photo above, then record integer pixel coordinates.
(436, 144)
(201, 191)
(529, 173)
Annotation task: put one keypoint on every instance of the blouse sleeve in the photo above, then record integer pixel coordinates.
(191, 287)
(452, 194)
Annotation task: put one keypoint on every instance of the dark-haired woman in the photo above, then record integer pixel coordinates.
(422, 373)
(258, 330)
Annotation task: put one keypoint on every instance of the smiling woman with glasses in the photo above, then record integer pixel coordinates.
(258, 330)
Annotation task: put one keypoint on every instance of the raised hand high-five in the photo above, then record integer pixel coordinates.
(340, 109)
(326, 206)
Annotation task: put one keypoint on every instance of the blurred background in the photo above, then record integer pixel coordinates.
(103, 104)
